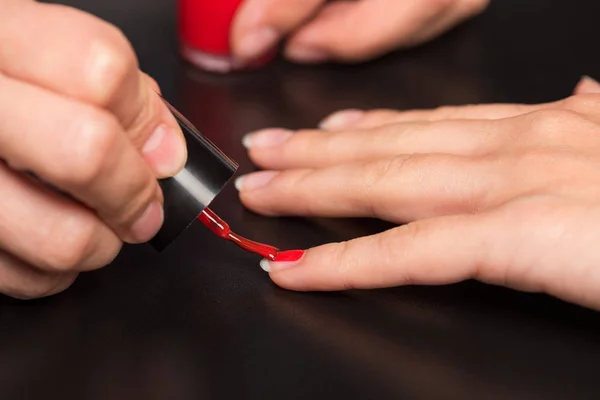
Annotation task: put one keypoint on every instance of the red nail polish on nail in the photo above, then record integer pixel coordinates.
(289, 256)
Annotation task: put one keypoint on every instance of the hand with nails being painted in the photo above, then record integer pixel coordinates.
(77, 112)
(349, 31)
(506, 194)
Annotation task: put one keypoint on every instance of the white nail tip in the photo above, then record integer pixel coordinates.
(265, 265)
(238, 183)
(246, 141)
(332, 121)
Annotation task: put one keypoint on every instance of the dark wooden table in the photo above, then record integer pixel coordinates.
(202, 321)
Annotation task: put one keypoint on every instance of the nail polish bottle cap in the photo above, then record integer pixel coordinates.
(186, 195)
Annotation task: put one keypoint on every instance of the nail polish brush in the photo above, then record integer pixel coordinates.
(188, 194)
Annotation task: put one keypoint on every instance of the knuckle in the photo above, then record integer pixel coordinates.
(91, 146)
(112, 63)
(386, 170)
(552, 122)
(377, 179)
(398, 246)
(403, 241)
(344, 262)
(584, 103)
(70, 246)
(380, 171)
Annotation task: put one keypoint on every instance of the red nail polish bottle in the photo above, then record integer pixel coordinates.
(204, 34)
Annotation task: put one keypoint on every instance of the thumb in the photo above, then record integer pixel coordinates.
(424, 252)
(587, 85)
(260, 24)
(359, 30)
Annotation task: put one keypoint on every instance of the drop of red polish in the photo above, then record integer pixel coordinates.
(213, 222)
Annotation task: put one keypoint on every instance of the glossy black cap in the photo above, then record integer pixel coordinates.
(205, 174)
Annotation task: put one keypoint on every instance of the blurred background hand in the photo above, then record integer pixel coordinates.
(317, 31)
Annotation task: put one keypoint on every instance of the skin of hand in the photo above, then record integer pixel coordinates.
(76, 115)
(317, 31)
(506, 194)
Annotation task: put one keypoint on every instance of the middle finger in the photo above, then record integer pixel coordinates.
(398, 189)
(281, 149)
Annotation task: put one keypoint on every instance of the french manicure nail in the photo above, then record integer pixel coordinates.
(255, 180)
(239, 183)
(257, 42)
(588, 78)
(284, 260)
(342, 119)
(589, 84)
(149, 223)
(165, 151)
(306, 55)
(266, 138)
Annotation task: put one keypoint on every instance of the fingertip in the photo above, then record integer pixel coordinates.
(255, 180)
(342, 119)
(255, 43)
(166, 149)
(587, 85)
(330, 35)
(315, 270)
(265, 265)
(252, 36)
(283, 260)
(148, 224)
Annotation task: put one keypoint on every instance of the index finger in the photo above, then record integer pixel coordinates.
(424, 252)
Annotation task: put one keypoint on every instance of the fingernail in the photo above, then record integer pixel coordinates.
(165, 151)
(590, 84)
(308, 55)
(255, 180)
(257, 42)
(146, 227)
(266, 138)
(588, 78)
(239, 183)
(284, 260)
(342, 119)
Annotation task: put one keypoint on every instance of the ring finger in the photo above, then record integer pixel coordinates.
(281, 149)
(399, 189)
(359, 119)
